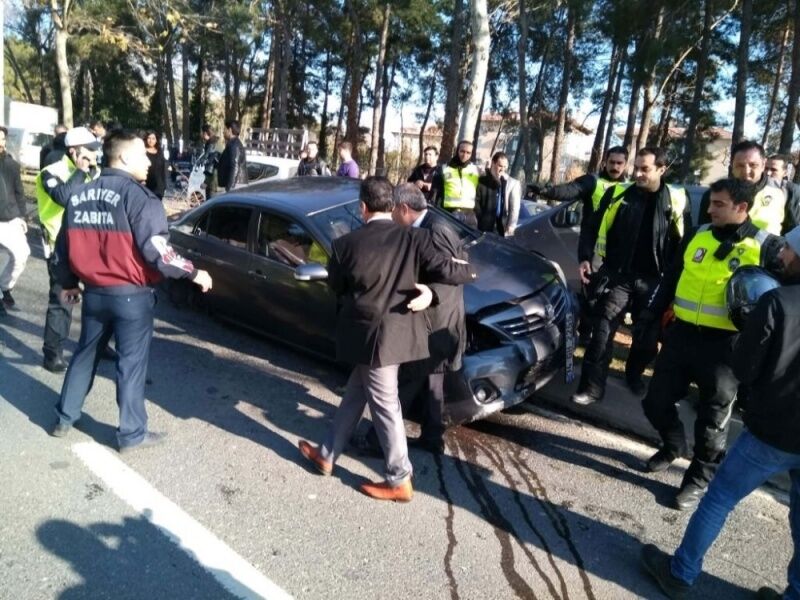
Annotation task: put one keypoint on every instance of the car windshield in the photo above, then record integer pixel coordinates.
(339, 220)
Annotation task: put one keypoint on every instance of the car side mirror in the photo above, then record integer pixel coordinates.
(310, 272)
(573, 218)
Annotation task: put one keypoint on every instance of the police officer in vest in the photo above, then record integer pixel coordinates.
(51, 198)
(697, 346)
(636, 232)
(589, 189)
(459, 184)
(748, 163)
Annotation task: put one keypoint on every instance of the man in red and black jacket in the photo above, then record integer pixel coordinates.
(114, 240)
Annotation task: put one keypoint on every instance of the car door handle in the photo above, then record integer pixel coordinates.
(257, 274)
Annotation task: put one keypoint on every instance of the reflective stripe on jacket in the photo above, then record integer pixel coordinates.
(700, 295)
(460, 186)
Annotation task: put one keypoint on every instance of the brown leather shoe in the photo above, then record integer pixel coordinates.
(384, 491)
(312, 455)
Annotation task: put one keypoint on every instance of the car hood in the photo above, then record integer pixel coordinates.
(506, 273)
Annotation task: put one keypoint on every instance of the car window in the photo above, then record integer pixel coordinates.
(287, 242)
(256, 171)
(569, 216)
(228, 224)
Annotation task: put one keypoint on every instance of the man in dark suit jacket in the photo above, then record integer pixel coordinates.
(374, 272)
(232, 165)
(446, 321)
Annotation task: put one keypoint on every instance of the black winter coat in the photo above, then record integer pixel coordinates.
(232, 165)
(372, 271)
(622, 237)
(766, 358)
(12, 197)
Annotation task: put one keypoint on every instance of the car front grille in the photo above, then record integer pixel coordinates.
(554, 304)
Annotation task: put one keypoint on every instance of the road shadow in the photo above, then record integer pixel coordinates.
(128, 560)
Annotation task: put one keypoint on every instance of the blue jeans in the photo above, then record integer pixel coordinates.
(748, 464)
(129, 317)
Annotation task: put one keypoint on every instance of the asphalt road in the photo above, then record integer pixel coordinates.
(527, 504)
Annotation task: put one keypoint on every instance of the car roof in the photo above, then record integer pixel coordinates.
(278, 161)
(297, 195)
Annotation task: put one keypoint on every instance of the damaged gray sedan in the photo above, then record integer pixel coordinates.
(266, 246)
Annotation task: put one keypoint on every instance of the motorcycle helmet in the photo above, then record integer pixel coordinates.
(744, 288)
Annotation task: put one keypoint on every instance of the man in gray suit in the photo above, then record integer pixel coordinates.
(497, 198)
(374, 272)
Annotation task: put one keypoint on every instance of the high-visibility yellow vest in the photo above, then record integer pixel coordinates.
(677, 200)
(600, 188)
(768, 209)
(460, 186)
(700, 295)
(51, 213)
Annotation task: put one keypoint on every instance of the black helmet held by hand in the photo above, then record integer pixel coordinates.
(745, 287)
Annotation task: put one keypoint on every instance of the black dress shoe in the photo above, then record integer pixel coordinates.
(61, 429)
(658, 564)
(151, 438)
(689, 496)
(584, 398)
(108, 353)
(636, 385)
(54, 364)
(767, 593)
(661, 460)
(432, 446)
(365, 445)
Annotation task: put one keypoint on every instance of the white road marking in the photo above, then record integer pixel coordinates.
(231, 570)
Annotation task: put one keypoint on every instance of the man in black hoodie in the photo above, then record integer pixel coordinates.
(766, 359)
(55, 150)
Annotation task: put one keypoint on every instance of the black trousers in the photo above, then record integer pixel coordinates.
(697, 355)
(629, 295)
(57, 320)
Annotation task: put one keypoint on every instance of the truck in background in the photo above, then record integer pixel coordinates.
(30, 128)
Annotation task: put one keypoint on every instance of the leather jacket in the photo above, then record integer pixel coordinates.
(232, 165)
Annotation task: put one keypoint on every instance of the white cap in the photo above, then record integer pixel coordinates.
(81, 136)
(793, 239)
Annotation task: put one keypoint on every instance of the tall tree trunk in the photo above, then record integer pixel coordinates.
(377, 98)
(697, 96)
(651, 95)
(523, 142)
(481, 38)
(163, 102)
(597, 147)
(776, 83)
(612, 111)
(199, 90)
(173, 101)
(476, 132)
(454, 81)
(388, 85)
(662, 129)
(356, 80)
(563, 95)
(787, 133)
(323, 119)
(64, 85)
(741, 70)
(269, 84)
(340, 118)
(185, 113)
(23, 80)
(429, 106)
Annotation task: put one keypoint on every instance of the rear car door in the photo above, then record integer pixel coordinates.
(301, 313)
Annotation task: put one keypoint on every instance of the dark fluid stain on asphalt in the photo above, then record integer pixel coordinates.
(452, 542)
(211, 390)
(471, 443)
(59, 464)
